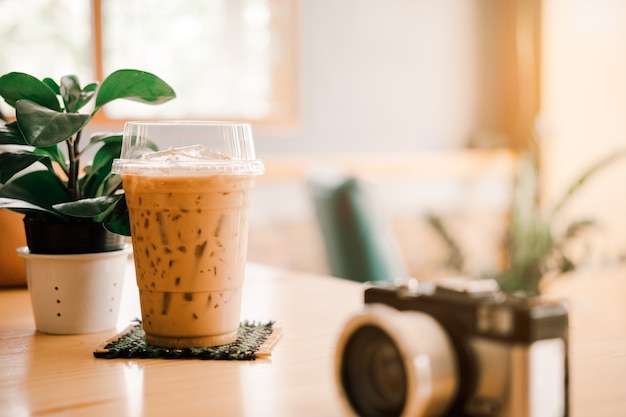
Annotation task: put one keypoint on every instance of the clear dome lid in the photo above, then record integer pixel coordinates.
(187, 148)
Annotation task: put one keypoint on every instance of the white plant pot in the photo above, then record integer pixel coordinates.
(73, 294)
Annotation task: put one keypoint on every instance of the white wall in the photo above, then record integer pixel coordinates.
(404, 78)
(384, 75)
(584, 107)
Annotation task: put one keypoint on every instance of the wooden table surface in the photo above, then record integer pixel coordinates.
(45, 375)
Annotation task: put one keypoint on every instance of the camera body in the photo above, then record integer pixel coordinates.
(461, 347)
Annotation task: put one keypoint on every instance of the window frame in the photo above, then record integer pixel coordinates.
(285, 76)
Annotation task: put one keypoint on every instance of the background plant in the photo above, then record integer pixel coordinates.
(532, 246)
(45, 182)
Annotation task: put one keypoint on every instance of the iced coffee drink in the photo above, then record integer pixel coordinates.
(189, 228)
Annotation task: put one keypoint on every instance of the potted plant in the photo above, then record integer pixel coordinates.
(73, 211)
(533, 247)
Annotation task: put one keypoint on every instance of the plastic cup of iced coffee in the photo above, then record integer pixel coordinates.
(188, 188)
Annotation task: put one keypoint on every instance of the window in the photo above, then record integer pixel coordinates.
(46, 37)
(230, 59)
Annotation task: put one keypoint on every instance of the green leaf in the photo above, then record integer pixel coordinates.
(70, 92)
(13, 162)
(90, 88)
(44, 127)
(16, 86)
(86, 95)
(54, 153)
(88, 207)
(455, 259)
(111, 184)
(597, 166)
(566, 264)
(578, 227)
(133, 85)
(99, 138)
(105, 137)
(24, 207)
(117, 220)
(100, 168)
(53, 85)
(10, 135)
(40, 188)
(103, 159)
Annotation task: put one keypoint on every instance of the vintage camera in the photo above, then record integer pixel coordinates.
(458, 348)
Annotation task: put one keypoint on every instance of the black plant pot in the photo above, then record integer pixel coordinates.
(44, 237)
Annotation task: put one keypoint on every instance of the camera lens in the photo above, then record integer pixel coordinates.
(392, 363)
(373, 373)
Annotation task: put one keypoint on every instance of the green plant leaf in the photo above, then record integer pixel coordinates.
(13, 162)
(48, 114)
(100, 168)
(566, 264)
(133, 85)
(44, 127)
(40, 188)
(53, 85)
(597, 166)
(117, 220)
(455, 259)
(10, 135)
(86, 95)
(29, 209)
(103, 159)
(54, 153)
(88, 207)
(578, 227)
(70, 92)
(105, 137)
(90, 88)
(16, 86)
(99, 138)
(110, 185)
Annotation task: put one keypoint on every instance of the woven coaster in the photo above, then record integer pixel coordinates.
(254, 340)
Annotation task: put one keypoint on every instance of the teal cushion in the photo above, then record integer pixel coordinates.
(358, 245)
